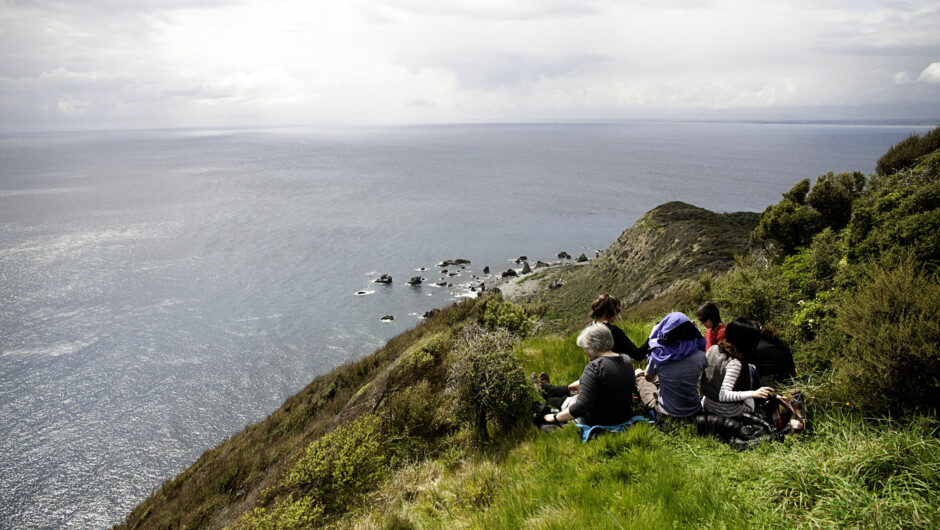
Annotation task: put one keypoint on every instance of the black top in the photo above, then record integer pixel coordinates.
(623, 344)
(774, 362)
(606, 395)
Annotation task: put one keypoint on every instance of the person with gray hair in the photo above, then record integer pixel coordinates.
(596, 339)
(605, 388)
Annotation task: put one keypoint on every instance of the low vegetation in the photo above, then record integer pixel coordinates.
(433, 429)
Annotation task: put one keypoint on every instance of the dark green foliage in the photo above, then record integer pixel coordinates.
(786, 226)
(906, 154)
(752, 291)
(794, 221)
(832, 196)
(797, 194)
(890, 359)
(486, 381)
(814, 269)
(901, 215)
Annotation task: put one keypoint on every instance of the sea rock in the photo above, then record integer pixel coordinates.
(450, 262)
(564, 255)
(388, 318)
(385, 278)
(486, 270)
(415, 280)
(520, 259)
(540, 264)
(360, 293)
(525, 267)
(431, 313)
(509, 273)
(441, 284)
(582, 258)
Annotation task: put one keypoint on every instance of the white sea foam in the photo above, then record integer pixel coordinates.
(57, 349)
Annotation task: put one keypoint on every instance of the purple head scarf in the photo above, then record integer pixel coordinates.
(664, 351)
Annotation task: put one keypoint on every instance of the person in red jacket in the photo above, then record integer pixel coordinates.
(709, 316)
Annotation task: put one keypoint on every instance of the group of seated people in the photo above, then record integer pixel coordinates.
(687, 374)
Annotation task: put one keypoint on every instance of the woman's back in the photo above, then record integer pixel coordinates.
(606, 394)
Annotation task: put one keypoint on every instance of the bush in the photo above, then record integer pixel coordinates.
(753, 291)
(508, 316)
(891, 360)
(814, 269)
(486, 381)
(786, 226)
(902, 214)
(793, 222)
(907, 152)
(332, 473)
(832, 196)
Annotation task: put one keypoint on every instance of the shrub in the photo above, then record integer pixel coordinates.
(793, 222)
(486, 381)
(752, 291)
(832, 196)
(891, 361)
(508, 316)
(786, 226)
(902, 214)
(814, 268)
(332, 473)
(907, 152)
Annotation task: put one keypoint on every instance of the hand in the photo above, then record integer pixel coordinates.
(550, 418)
(763, 392)
(575, 387)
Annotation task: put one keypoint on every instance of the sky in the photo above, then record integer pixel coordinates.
(126, 64)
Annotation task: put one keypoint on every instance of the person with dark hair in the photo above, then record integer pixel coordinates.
(604, 310)
(726, 381)
(605, 389)
(710, 317)
(773, 358)
(674, 363)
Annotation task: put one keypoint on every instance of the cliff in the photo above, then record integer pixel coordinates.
(667, 252)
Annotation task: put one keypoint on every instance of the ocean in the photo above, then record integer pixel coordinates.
(161, 290)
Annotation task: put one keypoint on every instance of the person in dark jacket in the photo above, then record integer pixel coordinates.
(604, 310)
(605, 388)
(772, 358)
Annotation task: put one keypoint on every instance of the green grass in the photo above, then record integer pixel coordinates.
(849, 471)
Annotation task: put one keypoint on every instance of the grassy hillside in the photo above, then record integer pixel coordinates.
(432, 430)
(653, 263)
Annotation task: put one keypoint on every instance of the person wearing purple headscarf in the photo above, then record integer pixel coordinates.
(674, 364)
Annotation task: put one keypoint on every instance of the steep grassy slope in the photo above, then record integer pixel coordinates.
(404, 382)
(232, 478)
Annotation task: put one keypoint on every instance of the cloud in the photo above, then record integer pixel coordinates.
(931, 74)
(72, 64)
(903, 78)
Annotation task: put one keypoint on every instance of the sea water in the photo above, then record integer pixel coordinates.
(161, 290)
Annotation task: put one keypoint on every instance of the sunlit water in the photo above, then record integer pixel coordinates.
(161, 290)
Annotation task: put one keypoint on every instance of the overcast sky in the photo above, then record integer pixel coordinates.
(68, 64)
